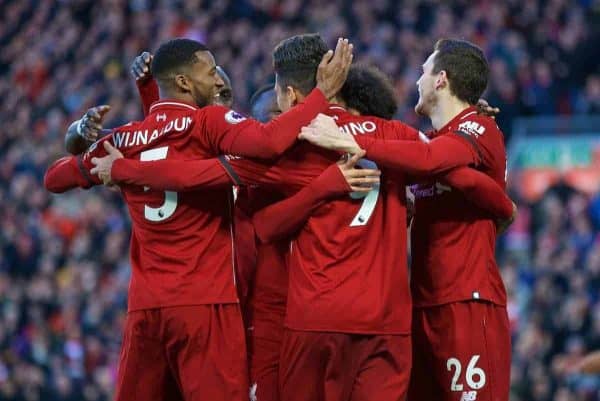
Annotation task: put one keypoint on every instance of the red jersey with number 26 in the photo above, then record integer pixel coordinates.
(453, 242)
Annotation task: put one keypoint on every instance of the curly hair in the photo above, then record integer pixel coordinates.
(370, 92)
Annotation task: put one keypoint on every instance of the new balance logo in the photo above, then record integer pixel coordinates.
(472, 128)
(468, 396)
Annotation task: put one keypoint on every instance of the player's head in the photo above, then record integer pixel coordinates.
(185, 69)
(369, 92)
(457, 69)
(263, 104)
(295, 61)
(224, 96)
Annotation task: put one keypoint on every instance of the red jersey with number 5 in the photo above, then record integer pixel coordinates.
(181, 243)
(347, 265)
(453, 242)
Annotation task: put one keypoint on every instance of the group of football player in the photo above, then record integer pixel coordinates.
(295, 285)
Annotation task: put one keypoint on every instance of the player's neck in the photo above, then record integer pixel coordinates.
(337, 100)
(181, 96)
(445, 110)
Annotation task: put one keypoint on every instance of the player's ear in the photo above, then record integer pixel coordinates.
(183, 83)
(292, 95)
(441, 80)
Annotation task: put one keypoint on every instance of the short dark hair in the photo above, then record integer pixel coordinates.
(466, 67)
(261, 111)
(174, 55)
(295, 61)
(259, 92)
(370, 92)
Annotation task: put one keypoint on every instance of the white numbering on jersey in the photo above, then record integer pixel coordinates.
(167, 209)
(369, 198)
(474, 376)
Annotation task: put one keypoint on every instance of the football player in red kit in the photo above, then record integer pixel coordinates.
(461, 345)
(184, 337)
(349, 310)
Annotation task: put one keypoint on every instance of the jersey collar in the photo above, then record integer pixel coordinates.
(469, 111)
(172, 104)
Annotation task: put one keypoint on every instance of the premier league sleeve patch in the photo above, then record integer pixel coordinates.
(233, 117)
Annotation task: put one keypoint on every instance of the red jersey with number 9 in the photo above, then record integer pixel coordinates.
(347, 265)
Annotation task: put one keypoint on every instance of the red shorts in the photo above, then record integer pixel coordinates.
(183, 353)
(264, 368)
(337, 366)
(461, 352)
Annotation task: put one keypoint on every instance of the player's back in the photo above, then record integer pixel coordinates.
(181, 243)
(347, 266)
(453, 242)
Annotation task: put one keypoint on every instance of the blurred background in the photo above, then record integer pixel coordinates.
(64, 260)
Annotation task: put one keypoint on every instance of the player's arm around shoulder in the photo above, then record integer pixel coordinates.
(72, 172)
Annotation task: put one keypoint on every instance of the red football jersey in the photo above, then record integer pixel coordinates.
(346, 274)
(453, 242)
(181, 243)
(266, 275)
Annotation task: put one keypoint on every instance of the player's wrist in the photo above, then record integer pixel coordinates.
(119, 170)
(333, 182)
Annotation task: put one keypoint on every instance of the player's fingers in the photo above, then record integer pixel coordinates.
(111, 149)
(325, 60)
(363, 180)
(103, 109)
(92, 114)
(351, 162)
(95, 161)
(345, 51)
(137, 71)
(349, 55)
(360, 172)
(91, 136)
(91, 126)
(360, 189)
(338, 55)
(306, 133)
(146, 57)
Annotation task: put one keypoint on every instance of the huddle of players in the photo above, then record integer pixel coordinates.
(342, 325)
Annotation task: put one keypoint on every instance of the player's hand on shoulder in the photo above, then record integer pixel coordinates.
(334, 67)
(358, 179)
(90, 125)
(103, 165)
(140, 68)
(484, 108)
(324, 132)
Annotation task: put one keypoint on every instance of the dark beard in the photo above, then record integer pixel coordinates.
(202, 101)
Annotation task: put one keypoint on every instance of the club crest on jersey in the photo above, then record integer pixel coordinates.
(233, 117)
(472, 128)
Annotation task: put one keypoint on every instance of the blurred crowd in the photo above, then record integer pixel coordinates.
(64, 260)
